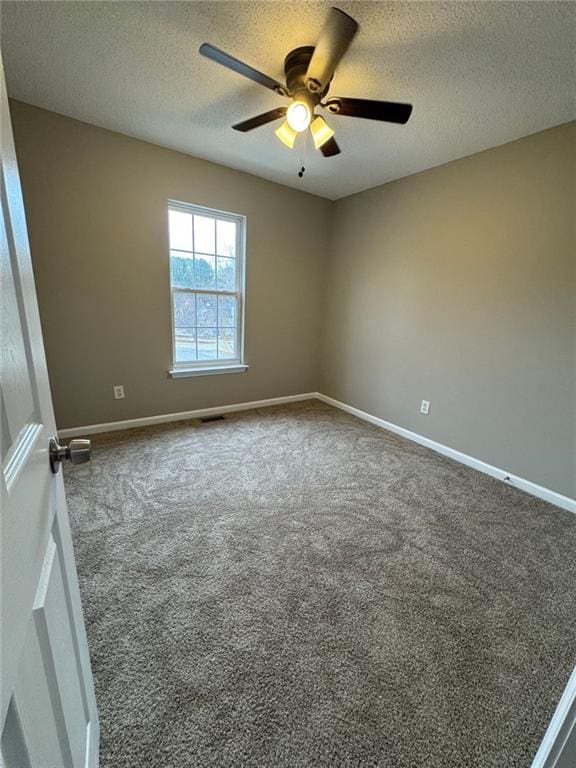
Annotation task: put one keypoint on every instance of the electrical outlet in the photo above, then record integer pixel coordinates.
(425, 407)
(118, 392)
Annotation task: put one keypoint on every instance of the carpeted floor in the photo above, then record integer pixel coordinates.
(292, 587)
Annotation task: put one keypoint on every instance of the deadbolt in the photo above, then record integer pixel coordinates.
(77, 451)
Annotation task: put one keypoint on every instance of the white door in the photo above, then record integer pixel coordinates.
(49, 716)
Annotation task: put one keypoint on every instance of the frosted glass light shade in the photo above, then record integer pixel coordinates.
(286, 134)
(321, 132)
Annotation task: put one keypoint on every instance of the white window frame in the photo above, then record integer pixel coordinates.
(206, 367)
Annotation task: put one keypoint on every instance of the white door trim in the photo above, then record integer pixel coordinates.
(560, 737)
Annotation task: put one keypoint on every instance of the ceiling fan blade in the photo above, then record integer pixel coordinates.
(333, 43)
(256, 122)
(330, 148)
(220, 57)
(388, 111)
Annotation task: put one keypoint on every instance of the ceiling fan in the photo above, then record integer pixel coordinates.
(309, 71)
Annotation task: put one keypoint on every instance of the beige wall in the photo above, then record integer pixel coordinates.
(96, 210)
(457, 285)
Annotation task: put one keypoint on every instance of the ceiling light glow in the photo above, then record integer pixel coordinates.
(321, 132)
(298, 116)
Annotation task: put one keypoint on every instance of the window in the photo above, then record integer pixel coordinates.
(207, 286)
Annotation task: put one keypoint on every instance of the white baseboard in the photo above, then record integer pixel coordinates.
(501, 474)
(115, 426)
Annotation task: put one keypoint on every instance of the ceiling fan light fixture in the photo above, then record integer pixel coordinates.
(321, 131)
(299, 116)
(286, 134)
(308, 71)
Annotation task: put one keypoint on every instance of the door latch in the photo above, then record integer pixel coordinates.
(77, 451)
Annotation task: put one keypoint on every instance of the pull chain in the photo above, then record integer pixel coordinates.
(303, 154)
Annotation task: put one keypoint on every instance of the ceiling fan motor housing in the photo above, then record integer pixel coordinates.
(295, 68)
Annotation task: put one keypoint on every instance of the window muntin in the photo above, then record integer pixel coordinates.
(207, 286)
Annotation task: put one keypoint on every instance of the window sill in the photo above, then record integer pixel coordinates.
(181, 373)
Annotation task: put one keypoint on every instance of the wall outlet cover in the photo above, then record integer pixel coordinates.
(425, 407)
(118, 392)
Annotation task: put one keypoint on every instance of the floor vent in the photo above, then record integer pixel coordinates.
(207, 419)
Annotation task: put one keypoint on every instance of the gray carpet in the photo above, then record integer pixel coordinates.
(292, 587)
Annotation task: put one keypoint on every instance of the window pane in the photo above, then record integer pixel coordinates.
(180, 225)
(226, 273)
(204, 234)
(226, 343)
(227, 311)
(184, 310)
(207, 344)
(182, 269)
(206, 310)
(204, 267)
(226, 238)
(185, 345)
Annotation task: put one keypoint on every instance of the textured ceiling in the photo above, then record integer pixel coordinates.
(478, 75)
